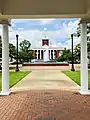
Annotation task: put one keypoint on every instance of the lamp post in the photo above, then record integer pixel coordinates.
(17, 68)
(72, 69)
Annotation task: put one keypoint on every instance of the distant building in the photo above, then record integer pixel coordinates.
(54, 51)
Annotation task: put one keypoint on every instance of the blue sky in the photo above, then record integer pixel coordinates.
(57, 30)
(50, 24)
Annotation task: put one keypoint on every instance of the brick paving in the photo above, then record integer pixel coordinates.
(35, 104)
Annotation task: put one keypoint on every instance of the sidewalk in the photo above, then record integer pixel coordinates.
(45, 79)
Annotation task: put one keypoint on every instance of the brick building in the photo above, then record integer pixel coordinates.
(54, 51)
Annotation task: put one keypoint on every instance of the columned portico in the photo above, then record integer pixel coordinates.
(5, 58)
(84, 62)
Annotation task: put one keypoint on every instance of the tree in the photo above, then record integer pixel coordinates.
(25, 55)
(78, 32)
(25, 46)
(78, 49)
(12, 51)
(66, 56)
(31, 55)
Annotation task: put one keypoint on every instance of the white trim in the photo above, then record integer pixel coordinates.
(84, 62)
(84, 93)
(5, 60)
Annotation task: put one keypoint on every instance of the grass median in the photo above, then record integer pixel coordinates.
(15, 77)
(75, 76)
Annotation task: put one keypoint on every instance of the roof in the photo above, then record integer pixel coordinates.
(50, 48)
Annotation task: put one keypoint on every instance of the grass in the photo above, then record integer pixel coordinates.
(75, 76)
(15, 77)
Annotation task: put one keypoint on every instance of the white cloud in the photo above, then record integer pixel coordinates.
(46, 21)
(35, 36)
(42, 21)
(72, 26)
(15, 21)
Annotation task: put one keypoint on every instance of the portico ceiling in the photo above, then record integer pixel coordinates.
(44, 8)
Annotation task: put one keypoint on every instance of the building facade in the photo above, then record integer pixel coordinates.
(54, 52)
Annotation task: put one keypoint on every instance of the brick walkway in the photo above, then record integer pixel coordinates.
(30, 105)
(40, 101)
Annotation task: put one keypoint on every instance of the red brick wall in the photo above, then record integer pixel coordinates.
(57, 53)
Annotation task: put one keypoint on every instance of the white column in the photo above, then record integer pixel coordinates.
(84, 62)
(43, 54)
(5, 61)
(40, 54)
(53, 55)
(37, 54)
(50, 54)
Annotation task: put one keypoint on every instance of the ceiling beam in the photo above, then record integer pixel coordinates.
(15, 9)
(43, 7)
(88, 6)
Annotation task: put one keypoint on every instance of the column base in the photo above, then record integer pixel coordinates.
(84, 93)
(5, 93)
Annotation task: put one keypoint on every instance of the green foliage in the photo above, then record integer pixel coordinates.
(25, 57)
(78, 32)
(25, 46)
(66, 56)
(78, 49)
(25, 54)
(12, 51)
(31, 55)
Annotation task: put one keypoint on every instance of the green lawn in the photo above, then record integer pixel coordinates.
(75, 76)
(14, 77)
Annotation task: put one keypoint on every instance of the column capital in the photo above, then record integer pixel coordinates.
(5, 22)
(84, 21)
